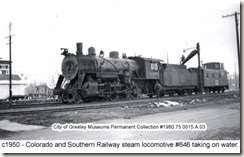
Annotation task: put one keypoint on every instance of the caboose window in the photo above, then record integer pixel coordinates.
(219, 75)
(207, 75)
(212, 75)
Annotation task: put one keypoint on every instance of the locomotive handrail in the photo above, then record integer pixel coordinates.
(127, 63)
(95, 62)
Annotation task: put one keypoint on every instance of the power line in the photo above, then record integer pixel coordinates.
(237, 40)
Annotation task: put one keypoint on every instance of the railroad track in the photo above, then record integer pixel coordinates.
(27, 104)
(57, 107)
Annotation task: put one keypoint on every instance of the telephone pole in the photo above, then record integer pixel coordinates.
(10, 63)
(235, 75)
(167, 58)
(237, 40)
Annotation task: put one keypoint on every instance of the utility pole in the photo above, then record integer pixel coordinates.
(167, 58)
(235, 75)
(237, 40)
(10, 63)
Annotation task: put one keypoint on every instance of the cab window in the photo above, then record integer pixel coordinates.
(154, 66)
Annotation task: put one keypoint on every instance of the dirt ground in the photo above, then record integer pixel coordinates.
(123, 112)
(126, 111)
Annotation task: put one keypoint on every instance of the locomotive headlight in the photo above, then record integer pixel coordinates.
(69, 67)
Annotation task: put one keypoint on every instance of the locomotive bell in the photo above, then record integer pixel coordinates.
(69, 67)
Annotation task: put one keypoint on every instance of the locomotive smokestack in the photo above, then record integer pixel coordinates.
(79, 47)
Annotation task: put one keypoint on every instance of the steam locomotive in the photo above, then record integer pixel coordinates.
(94, 77)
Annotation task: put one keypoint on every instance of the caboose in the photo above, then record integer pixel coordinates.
(214, 77)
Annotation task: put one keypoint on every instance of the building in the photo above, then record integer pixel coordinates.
(38, 91)
(18, 83)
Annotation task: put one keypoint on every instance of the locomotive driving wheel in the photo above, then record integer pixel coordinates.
(124, 96)
(135, 92)
(77, 98)
(113, 97)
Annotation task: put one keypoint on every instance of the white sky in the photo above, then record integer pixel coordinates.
(148, 27)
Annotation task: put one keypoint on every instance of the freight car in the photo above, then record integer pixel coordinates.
(92, 77)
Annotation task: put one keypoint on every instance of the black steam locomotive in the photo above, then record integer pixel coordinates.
(94, 77)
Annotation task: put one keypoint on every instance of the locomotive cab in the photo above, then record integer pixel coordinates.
(148, 75)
